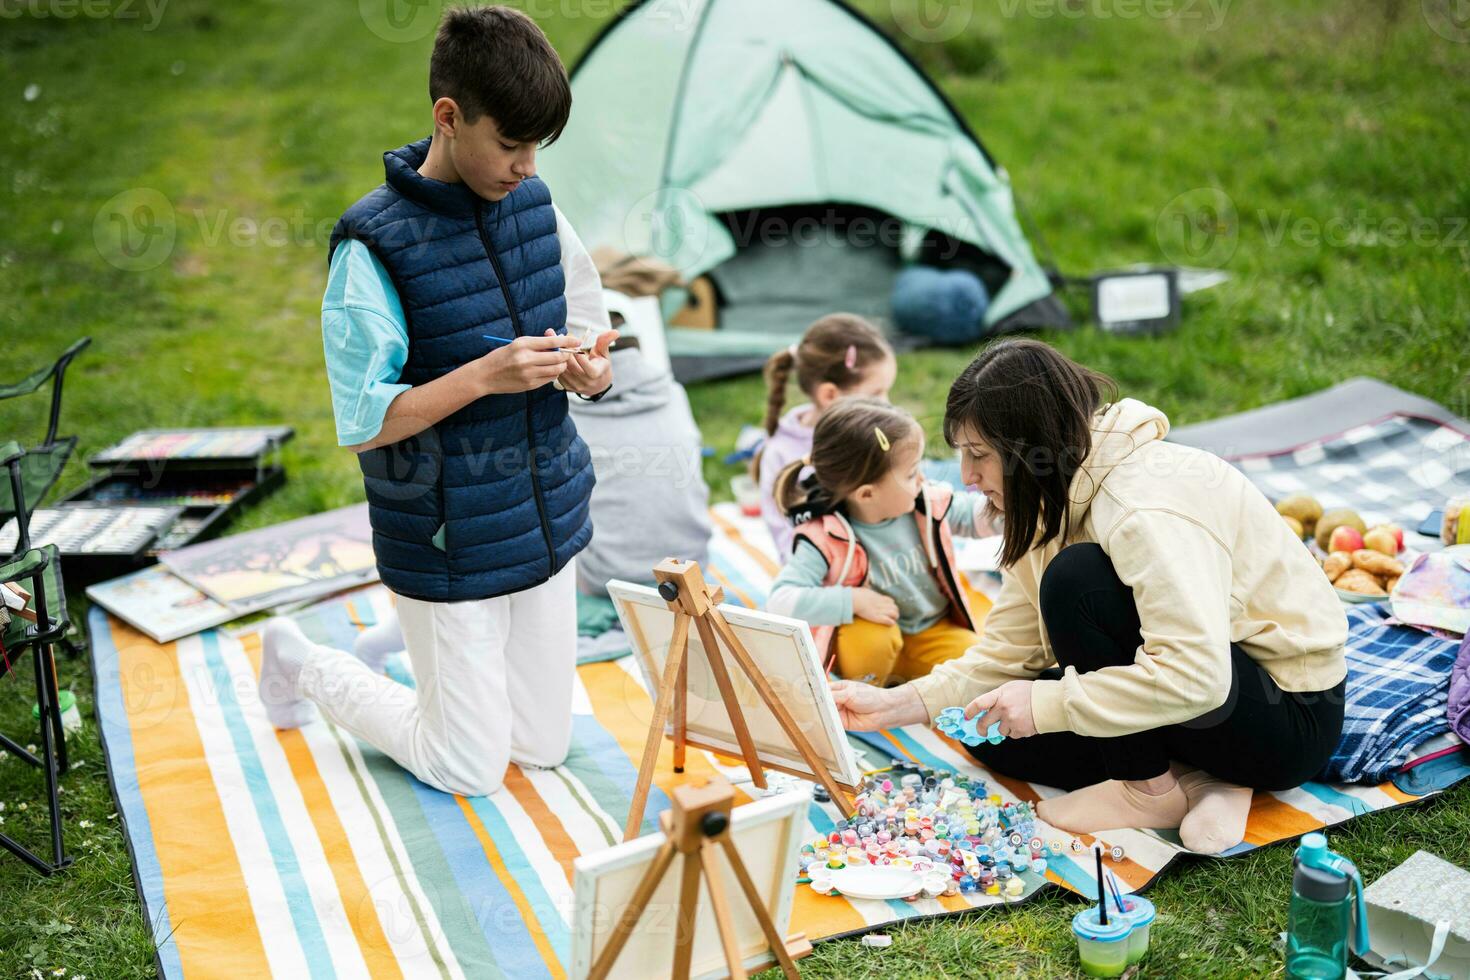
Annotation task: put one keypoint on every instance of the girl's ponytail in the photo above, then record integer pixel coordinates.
(778, 372)
(787, 490)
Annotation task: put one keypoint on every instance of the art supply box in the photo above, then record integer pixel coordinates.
(157, 490)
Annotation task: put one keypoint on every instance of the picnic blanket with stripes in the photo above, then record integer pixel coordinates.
(308, 854)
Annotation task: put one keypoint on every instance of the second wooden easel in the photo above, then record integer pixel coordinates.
(696, 828)
(681, 584)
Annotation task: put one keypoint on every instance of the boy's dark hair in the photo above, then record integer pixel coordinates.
(1035, 408)
(495, 61)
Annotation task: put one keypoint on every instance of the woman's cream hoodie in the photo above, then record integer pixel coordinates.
(1209, 562)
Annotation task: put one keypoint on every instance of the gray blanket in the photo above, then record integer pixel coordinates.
(651, 501)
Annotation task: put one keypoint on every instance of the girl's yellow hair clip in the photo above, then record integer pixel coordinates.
(882, 439)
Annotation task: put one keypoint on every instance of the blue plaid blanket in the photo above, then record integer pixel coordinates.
(1397, 687)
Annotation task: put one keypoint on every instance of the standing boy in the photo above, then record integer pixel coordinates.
(449, 289)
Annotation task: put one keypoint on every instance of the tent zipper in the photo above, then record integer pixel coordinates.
(515, 322)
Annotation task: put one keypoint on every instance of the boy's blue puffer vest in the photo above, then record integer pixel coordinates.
(493, 499)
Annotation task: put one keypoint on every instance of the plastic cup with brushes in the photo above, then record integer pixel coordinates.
(1110, 941)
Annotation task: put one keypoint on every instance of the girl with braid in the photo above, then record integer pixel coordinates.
(841, 354)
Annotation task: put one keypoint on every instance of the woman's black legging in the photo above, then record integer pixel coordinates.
(1261, 736)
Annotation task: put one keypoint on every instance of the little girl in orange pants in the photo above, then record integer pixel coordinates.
(873, 566)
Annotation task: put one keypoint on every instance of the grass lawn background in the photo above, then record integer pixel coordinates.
(1316, 149)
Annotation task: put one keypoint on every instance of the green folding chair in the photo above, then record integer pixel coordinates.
(38, 570)
(41, 465)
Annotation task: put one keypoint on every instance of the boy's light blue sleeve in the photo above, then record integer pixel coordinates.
(798, 591)
(365, 338)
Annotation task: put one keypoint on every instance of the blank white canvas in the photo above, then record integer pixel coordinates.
(783, 650)
(767, 833)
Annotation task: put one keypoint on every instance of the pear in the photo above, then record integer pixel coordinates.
(1381, 539)
(1295, 525)
(1304, 508)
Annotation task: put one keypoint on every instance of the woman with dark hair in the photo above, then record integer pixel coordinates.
(1162, 644)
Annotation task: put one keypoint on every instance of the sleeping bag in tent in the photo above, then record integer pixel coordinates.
(793, 154)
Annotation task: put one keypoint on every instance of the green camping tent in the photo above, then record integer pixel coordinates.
(793, 153)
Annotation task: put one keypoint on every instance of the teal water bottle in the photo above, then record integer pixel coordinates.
(1326, 911)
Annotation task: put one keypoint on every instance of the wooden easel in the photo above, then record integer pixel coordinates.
(681, 584)
(697, 823)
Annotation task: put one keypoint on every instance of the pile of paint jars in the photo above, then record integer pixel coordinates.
(945, 827)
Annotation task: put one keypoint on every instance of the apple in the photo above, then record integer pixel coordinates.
(1396, 531)
(1345, 538)
(1381, 539)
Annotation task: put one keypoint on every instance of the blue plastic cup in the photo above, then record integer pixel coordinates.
(1140, 913)
(1103, 949)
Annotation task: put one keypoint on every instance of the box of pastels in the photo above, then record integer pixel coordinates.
(156, 490)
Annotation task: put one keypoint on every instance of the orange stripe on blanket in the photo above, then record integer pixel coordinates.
(898, 745)
(1397, 795)
(733, 533)
(624, 711)
(558, 842)
(512, 888)
(203, 884)
(1133, 874)
(824, 915)
(732, 590)
(377, 952)
(1272, 820)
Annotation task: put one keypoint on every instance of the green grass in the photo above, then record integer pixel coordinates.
(1128, 139)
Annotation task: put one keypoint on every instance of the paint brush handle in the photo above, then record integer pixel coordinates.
(581, 345)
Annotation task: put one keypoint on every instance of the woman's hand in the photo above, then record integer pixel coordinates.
(873, 606)
(590, 372)
(1009, 704)
(865, 708)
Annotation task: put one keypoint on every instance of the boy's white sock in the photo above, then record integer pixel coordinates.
(283, 652)
(378, 642)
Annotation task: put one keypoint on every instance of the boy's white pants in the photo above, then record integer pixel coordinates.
(493, 685)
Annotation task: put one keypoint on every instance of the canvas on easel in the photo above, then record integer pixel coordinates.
(722, 912)
(785, 663)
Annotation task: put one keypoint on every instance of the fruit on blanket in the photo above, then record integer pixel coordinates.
(1377, 564)
(1334, 519)
(1345, 538)
(1381, 540)
(1359, 581)
(1395, 530)
(1336, 563)
(1295, 525)
(1302, 507)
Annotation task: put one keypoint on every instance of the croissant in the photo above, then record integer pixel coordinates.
(1336, 563)
(1377, 563)
(1359, 581)
(1389, 585)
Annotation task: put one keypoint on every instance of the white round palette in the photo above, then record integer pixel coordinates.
(877, 881)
